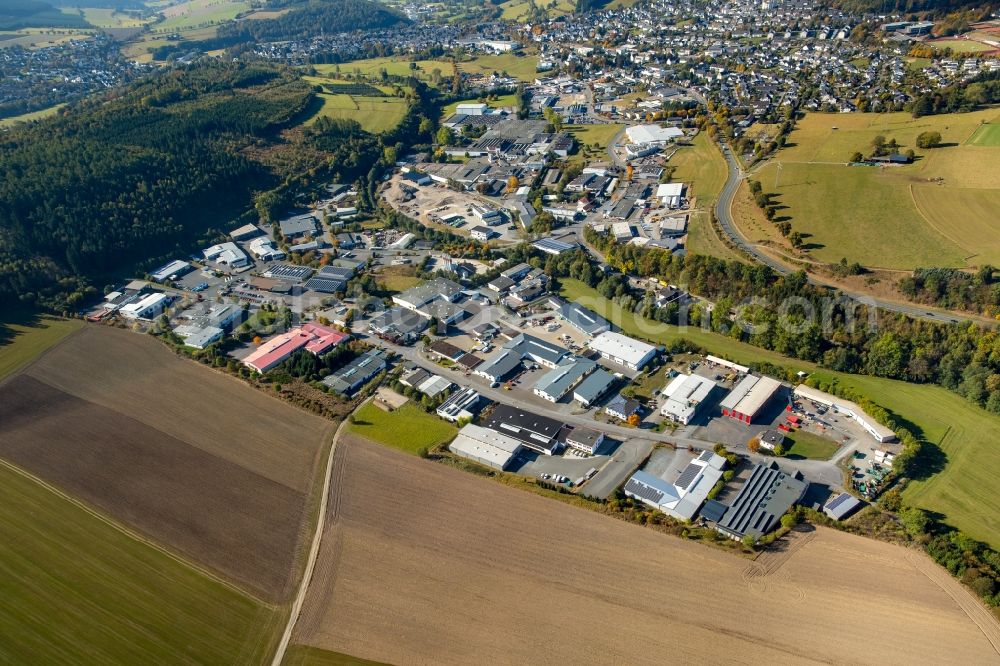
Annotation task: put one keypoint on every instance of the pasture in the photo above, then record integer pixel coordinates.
(523, 67)
(191, 459)
(702, 166)
(106, 17)
(24, 336)
(375, 114)
(445, 566)
(199, 14)
(79, 589)
(966, 491)
(408, 428)
(372, 67)
(929, 213)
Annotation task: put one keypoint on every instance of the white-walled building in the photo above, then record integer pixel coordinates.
(623, 350)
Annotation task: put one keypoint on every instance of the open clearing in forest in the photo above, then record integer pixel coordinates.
(444, 567)
(190, 458)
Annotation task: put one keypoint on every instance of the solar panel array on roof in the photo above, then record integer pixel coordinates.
(287, 272)
(688, 475)
(642, 490)
(325, 286)
(837, 501)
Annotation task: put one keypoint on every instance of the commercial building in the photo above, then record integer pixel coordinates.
(682, 498)
(485, 446)
(685, 397)
(760, 503)
(623, 350)
(519, 348)
(313, 338)
(742, 369)
(878, 431)
(749, 397)
(245, 233)
(433, 299)
(770, 439)
(551, 245)
(227, 254)
(147, 307)
(671, 194)
(263, 248)
(355, 374)
(584, 439)
(206, 328)
(398, 325)
(559, 381)
(652, 135)
(171, 271)
(621, 407)
(538, 433)
(298, 226)
(463, 404)
(580, 318)
(591, 389)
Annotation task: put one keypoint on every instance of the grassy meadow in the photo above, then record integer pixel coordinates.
(523, 67)
(803, 444)
(408, 428)
(25, 336)
(934, 212)
(967, 489)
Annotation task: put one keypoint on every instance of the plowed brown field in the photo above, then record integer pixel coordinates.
(193, 459)
(424, 564)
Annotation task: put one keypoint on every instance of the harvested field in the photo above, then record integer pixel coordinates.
(190, 458)
(447, 568)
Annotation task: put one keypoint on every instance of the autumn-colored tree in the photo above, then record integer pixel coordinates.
(257, 340)
(753, 446)
(629, 170)
(512, 184)
(633, 420)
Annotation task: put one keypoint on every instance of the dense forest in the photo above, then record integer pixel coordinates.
(962, 358)
(312, 19)
(126, 178)
(954, 289)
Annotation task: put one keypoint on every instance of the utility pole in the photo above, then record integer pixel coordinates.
(777, 176)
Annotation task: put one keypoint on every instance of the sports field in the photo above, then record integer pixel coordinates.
(192, 459)
(966, 492)
(78, 589)
(960, 45)
(445, 567)
(929, 213)
(408, 428)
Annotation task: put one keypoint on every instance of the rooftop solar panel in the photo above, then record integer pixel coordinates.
(688, 475)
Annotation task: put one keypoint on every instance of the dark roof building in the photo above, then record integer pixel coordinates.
(763, 499)
(582, 319)
(842, 506)
(538, 433)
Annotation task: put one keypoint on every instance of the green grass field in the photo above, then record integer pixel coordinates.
(523, 67)
(25, 336)
(988, 134)
(520, 10)
(301, 655)
(375, 114)
(702, 166)
(966, 492)
(807, 445)
(929, 213)
(960, 46)
(199, 14)
(392, 66)
(28, 117)
(104, 17)
(77, 589)
(408, 428)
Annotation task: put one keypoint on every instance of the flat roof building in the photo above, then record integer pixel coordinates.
(463, 404)
(842, 506)
(171, 271)
(313, 338)
(147, 307)
(682, 498)
(485, 446)
(591, 389)
(538, 433)
(559, 381)
(685, 396)
(623, 350)
(760, 503)
(585, 439)
(749, 397)
(355, 374)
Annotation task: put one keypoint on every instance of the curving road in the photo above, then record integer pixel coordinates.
(723, 213)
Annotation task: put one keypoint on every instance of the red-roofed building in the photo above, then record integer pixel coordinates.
(313, 338)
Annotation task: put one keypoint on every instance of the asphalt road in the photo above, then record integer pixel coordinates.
(723, 212)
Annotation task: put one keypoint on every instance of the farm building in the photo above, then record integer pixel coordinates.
(623, 350)
(685, 396)
(760, 503)
(485, 446)
(538, 433)
(841, 406)
(460, 405)
(313, 338)
(749, 397)
(682, 498)
(842, 506)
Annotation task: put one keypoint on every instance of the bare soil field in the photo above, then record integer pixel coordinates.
(190, 458)
(436, 566)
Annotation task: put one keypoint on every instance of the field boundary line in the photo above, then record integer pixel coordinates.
(128, 531)
(969, 605)
(307, 574)
(27, 366)
(933, 226)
